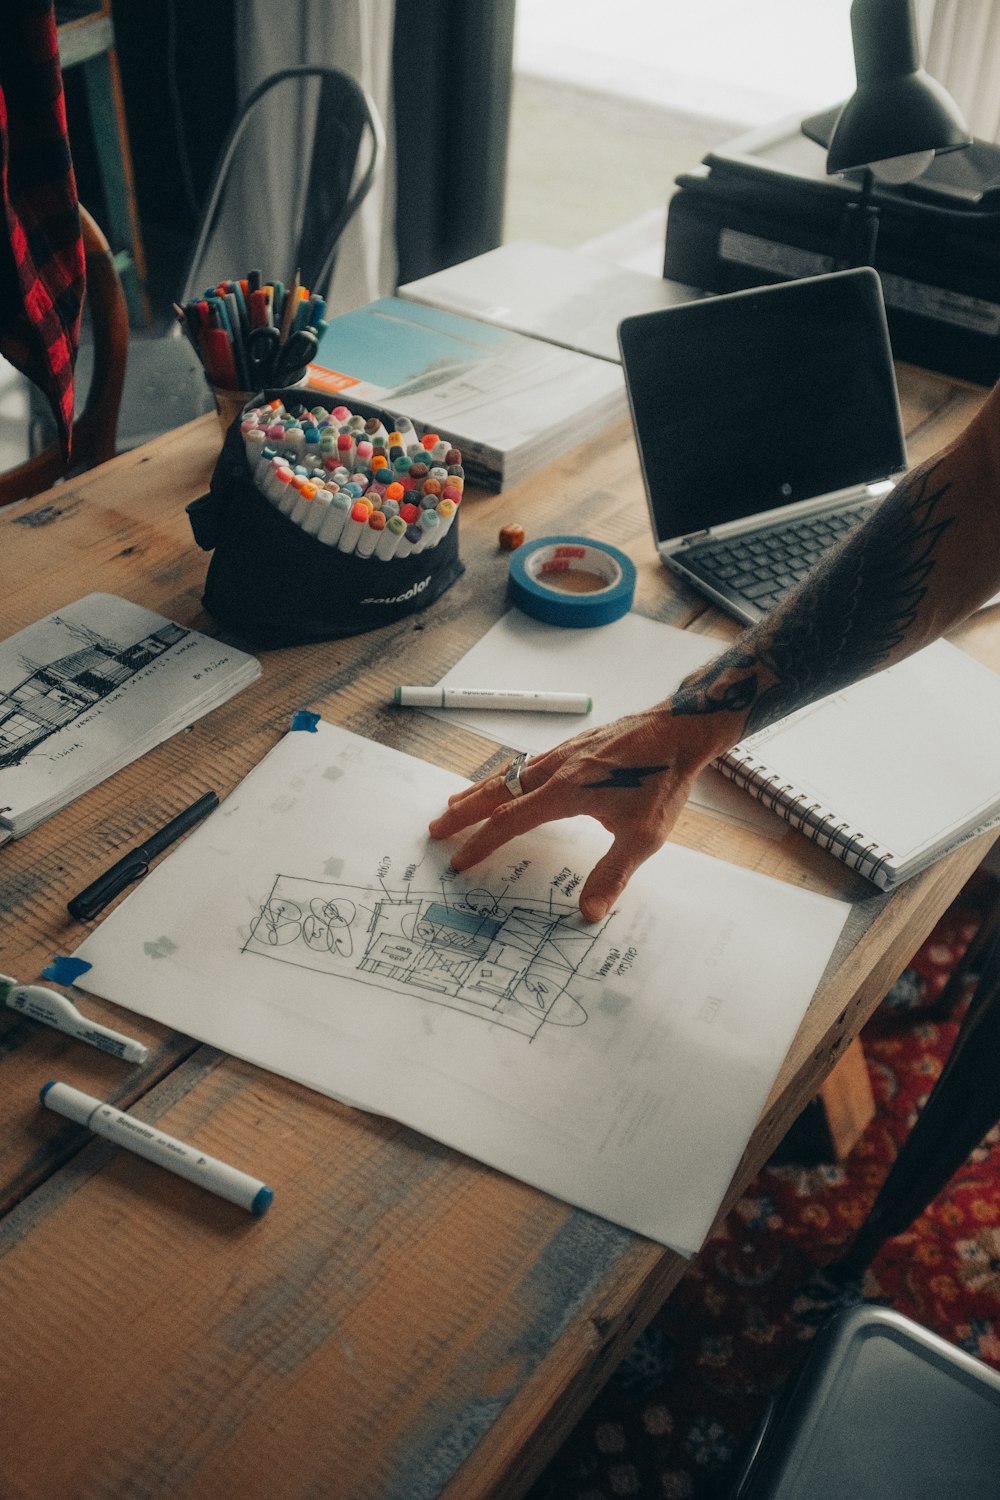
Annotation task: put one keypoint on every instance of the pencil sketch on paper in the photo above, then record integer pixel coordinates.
(54, 694)
(516, 963)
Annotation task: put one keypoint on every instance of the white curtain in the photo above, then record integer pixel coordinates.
(355, 35)
(961, 49)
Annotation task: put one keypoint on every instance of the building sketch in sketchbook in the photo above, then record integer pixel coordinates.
(518, 963)
(54, 694)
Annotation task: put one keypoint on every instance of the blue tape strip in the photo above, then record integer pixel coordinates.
(534, 565)
(65, 970)
(305, 719)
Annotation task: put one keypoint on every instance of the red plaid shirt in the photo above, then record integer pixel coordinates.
(41, 254)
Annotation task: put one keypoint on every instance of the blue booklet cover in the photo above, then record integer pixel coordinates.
(510, 403)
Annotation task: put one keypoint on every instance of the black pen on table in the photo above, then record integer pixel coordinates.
(133, 865)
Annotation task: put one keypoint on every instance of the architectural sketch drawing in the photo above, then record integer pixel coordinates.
(53, 694)
(518, 963)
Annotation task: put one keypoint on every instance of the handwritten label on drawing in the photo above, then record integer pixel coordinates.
(566, 881)
(617, 962)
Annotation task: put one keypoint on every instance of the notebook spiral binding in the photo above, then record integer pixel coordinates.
(817, 822)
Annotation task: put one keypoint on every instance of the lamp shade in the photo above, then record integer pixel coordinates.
(897, 109)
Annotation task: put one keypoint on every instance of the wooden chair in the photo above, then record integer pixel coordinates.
(95, 429)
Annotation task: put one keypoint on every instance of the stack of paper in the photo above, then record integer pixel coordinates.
(511, 404)
(92, 687)
(564, 296)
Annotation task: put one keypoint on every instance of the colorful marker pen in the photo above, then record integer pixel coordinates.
(156, 1146)
(59, 1012)
(354, 526)
(525, 701)
(335, 518)
(316, 514)
(388, 543)
(368, 540)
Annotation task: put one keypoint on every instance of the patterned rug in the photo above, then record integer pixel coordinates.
(674, 1418)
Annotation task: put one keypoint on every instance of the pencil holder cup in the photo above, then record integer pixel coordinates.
(272, 584)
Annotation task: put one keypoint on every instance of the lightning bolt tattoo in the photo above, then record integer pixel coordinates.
(624, 777)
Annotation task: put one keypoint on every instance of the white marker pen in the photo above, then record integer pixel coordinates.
(59, 1012)
(166, 1151)
(526, 701)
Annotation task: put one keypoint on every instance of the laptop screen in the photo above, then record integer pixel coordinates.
(745, 402)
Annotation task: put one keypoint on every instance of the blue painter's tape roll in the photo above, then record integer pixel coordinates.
(571, 580)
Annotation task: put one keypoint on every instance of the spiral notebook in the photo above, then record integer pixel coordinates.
(891, 773)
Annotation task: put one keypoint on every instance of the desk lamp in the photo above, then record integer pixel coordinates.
(894, 123)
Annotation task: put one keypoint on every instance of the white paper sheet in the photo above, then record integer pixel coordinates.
(625, 667)
(309, 925)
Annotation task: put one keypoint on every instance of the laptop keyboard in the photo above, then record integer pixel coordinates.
(764, 565)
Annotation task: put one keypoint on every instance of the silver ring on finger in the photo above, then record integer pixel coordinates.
(512, 775)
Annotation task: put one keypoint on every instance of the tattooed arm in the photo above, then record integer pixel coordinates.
(925, 560)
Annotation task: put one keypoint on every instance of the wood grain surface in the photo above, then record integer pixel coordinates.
(404, 1322)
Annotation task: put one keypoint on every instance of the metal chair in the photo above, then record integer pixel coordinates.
(94, 431)
(324, 166)
(881, 1409)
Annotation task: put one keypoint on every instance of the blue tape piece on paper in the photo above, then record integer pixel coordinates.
(65, 970)
(303, 719)
(536, 568)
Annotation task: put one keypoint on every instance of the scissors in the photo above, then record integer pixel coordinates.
(294, 355)
(262, 352)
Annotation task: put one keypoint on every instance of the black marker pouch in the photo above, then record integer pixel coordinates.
(273, 585)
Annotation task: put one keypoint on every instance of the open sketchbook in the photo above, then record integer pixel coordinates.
(892, 772)
(565, 296)
(92, 687)
(510, 403)
(311, 927)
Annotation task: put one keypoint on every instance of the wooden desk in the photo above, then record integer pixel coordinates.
(405, 1322)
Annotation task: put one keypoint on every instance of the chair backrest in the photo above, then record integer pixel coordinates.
(95, 429)
(310, 140)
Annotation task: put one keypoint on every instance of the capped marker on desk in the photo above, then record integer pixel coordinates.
(58, 1011)
(509, 700)
(156, 1146)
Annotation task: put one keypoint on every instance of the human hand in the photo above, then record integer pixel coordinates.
(633, 776)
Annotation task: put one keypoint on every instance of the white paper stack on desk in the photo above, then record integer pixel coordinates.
(512, 404)
(567, 297)
(90, 688)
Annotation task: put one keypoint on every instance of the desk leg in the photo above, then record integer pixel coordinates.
(962, 1106)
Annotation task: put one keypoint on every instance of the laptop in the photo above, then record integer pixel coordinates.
(768, 424)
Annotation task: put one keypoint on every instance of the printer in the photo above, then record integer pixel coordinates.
(762, 209)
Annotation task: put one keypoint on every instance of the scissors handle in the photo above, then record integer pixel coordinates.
(262, 349)
(294, 355)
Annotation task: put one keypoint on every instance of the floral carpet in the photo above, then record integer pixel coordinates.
(674, 1418)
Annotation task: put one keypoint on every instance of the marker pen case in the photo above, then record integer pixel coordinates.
(272, 584)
